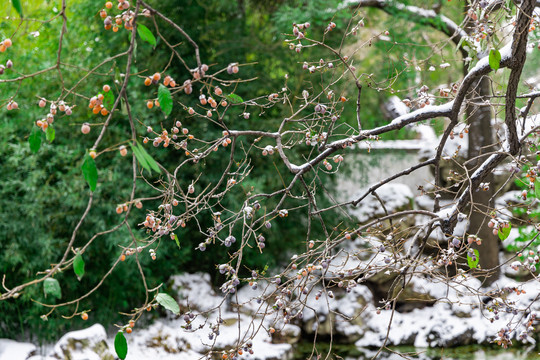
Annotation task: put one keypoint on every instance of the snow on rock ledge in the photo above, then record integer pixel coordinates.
(166, 340)
(13, 350)
(395, 197)
(86, 344)
(195, 291)
(451, 321)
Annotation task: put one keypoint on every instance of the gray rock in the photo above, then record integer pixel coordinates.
(86, 344)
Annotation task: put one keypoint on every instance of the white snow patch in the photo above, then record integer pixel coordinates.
(394, 196)
(91, 337)
(452, 318)
(13, 350)
(195, 291)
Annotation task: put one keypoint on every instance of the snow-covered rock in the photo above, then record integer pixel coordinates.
(167, 339)
(86, 344)
(340, 315)
(289, 334)
(251, 301)
(395, 197)
(452, 320)
(195, 291)
(13, 350)
(216, 324)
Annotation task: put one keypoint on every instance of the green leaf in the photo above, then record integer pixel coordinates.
(17, 6)
(235, 99)
(52, 287)
(123, 107)
(494, 59)
(146, 34)
(177, 241)
(165, 99)
(108, 100)
(168, 302)
(90, 173)
(135, 47)
(78, 266)
(50, 134)
(140, 157)
(537, 189)
(504, 232)
(120, 345)
(35, 139)
(459, 43)
(149, 159)
(473, 264)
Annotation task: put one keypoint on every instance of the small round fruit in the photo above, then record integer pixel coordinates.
(123, 257)
(147, 81)
(119, 209)
(138, 205)
(129, 330)
(85, 128)
(156, 76)
(150, 104)
(92, 153)
(131, 323)
(108, 5)
(106, 88)
(84, 316)
(7, 43)
(123, 150)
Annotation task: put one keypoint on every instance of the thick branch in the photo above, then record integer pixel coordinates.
(512, 144)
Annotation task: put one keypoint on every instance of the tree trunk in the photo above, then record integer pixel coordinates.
(481, 142)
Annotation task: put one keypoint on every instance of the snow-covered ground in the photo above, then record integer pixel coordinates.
(450, 321)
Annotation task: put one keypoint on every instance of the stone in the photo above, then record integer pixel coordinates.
(14, 350)
(395, 196)
(85, 344)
